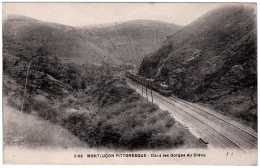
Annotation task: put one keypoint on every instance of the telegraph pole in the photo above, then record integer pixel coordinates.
(146, 90)
(151, 90)
(26, 80)
(92, 75)
(142, 85)
(102, 70)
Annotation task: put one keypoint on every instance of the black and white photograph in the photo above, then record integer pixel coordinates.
(129, 83)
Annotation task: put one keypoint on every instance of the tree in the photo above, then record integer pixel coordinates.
(83, 84)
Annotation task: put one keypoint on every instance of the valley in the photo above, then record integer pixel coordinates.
(75, 81)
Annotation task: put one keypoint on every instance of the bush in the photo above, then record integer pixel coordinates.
(250, 116)
(75, 123)
(11, 102)
(45, 111)
(110, 91)
(161, 140)
(6, 90)
(16, 101)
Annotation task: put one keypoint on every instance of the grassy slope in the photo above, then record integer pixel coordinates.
(29, 130)
(73, 44)
(133, 38)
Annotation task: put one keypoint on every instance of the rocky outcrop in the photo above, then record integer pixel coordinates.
(212, 60)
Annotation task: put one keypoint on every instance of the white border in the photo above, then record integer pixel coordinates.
(98, 166)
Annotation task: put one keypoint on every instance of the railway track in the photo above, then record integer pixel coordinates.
(248, 136)
(220, 132)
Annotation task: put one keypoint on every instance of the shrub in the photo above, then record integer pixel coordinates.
(44, 110)
(161, 140)
(76, 123)
(6, 90)
(250, 116)
(11, 102)
(16, 102)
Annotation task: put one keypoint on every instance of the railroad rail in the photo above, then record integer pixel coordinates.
(219, 134)
(252, 136)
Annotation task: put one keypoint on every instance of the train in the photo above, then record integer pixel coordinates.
(159, 86)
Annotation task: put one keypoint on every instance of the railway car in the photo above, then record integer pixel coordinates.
(159, 86)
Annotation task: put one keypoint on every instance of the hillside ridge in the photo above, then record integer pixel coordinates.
(210, 60)
(83, 44)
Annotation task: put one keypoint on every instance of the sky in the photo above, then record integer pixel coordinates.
(79, 14)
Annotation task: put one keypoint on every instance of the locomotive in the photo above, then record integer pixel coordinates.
(159, 86)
